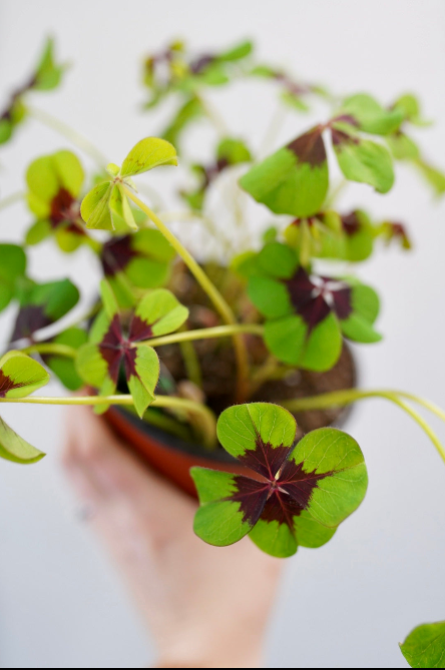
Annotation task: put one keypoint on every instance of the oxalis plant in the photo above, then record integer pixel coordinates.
(272, 296)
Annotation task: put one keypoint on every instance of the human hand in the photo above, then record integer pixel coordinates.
(206, 607)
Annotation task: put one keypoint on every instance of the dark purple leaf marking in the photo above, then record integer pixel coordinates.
(7, 384)
(341, 136)
(351, 224)
(285, 489)
(117, 348)
(65, 210)
(314, 297)
(265, 460)
(117, 254)
(310, 148)
(200, 64)
(29, 320)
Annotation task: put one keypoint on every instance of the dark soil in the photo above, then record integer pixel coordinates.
(217, 360)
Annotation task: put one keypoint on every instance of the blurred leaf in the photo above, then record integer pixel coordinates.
(425, 646)
(294, 180)
(148, 154)
(370, 116)
(363, 161)
(20, 375)
(16, 449)
(42, 305)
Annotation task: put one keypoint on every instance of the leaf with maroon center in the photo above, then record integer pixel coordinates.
(142, 260)
(20, 376)
(295, 179)
(293, 495)
(361, 160)
(54, 186)
(41, 305)
(113, 346)
(306, 315)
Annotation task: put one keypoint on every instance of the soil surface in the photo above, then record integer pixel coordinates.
(218, 366)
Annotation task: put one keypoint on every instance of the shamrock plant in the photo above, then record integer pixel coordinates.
(286, 498)
(196, 345)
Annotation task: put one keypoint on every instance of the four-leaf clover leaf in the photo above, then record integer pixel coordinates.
(291, 495)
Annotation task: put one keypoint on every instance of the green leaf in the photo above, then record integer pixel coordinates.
(42, 305)
(218, 522)
(109, 301)
(65, 368)
(304, 491)
(403, 147)
(48, 74)
(294, 180)
(161, 312)
(6, 129)
(70, 172)
(358, 329)
(143, 383)
(371, 116)
(148, 154)
(425, 646)
(16, 449)
(239, 52)
(434, 177)
(12, 268)
(270, 297)
(330, 451)
(294, 101)
(409, 105)
(289, 340)
(95, 208)
(120, 210)
(38, 232)
(239, 427)
(277, 260)
(20, 375)
(90, 366)
(43, 184)
(366, 162)
(233, 151)
(191, 111)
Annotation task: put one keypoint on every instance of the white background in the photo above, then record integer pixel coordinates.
(350, 603)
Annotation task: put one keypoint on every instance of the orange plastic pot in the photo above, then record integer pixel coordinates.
(168, 454)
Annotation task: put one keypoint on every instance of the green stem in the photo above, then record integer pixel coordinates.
(343, 398)
(12, 199)
(208, 421)
(72, 135)
(214, 116)
(335, 194)
(206, 334)
(51, 349)
(210, 289)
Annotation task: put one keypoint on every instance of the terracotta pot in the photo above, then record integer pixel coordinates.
(172, 456)
(168, 454)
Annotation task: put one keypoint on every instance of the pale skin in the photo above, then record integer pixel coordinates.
(204, 607)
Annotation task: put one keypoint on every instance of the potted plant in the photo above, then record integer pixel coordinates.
(226, 371)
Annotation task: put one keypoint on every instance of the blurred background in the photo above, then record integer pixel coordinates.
(350, 603)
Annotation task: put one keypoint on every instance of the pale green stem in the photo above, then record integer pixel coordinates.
(343, 398)
(273, 131)
(12, 199)
(206, 334)
(210, 289)
(208, 421)
(335, 194)
(72, 135)
(214, 116)
(49, 349)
